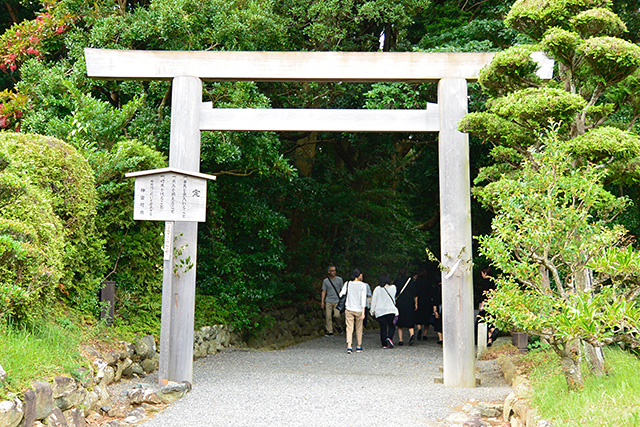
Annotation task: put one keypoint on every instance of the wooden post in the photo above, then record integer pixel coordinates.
(482, 338)
(179, 280)
(455, 237)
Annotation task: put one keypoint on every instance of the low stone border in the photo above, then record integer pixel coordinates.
(517, 409)
(84, 396)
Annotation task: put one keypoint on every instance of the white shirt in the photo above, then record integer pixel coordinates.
(356, 295)
(381, 303)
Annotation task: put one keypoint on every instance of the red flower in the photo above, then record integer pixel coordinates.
(18, 114)
(3, 68)
(3, 122)
(60, 29)
(12, 67)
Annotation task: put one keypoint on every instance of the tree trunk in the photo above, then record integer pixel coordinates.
(596, 359)
(570, 359)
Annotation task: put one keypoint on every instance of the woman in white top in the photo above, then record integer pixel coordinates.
(383, 308)
(356, 291)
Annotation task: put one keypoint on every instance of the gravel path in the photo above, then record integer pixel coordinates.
(317, 384)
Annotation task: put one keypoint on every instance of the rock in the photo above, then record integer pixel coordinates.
(134, 416)
(508, 406)
(38, 424)
(138, 396)
(70, 400)
(62, 386)
(207, 332)
(121, 366)
(146, 347)
(108, 376)
(11, 412)
(130, 349)
(56, 419)
(104, 398)
(93, 417)
(113, 423)
(149, 407)
(149, 365)
(75, 417)
(173, 391)
(489, 410)
(516, 422)
(119, 411)
(90, 402)
(111, 357)
(288, 314)
(199, 351)
(213, 347)
(3, 374)
(136, 369)
(29, 408)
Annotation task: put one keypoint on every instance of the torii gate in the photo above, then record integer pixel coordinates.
(189, 116)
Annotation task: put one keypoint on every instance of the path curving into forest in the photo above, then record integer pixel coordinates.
(317, 384)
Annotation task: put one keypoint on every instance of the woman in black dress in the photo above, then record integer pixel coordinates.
(424, 292)
(407, 303)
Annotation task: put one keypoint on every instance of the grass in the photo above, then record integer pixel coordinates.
(609, 401)
(47, 348)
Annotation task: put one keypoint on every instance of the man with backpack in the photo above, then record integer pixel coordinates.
(331, 287)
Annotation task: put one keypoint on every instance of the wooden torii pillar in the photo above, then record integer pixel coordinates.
(189, 115)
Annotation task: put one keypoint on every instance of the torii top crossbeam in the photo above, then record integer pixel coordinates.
(291, 66)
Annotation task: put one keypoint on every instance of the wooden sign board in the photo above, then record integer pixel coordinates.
(170, 195)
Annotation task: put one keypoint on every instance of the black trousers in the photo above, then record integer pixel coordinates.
(387, 328)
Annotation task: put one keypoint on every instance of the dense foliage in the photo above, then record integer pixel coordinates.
(285, 204)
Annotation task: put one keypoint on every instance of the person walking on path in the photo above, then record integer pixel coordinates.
(424, 292)
(356, 292)
(383, 308)
(331, 286)
(407, 303)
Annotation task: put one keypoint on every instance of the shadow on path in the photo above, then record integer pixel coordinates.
(317, 383)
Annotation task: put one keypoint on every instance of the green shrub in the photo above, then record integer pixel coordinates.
(47, 225)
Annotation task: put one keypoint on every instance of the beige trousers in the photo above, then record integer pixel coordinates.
(331, 313)
(351, 318)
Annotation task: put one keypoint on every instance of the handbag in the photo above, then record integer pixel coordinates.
(342, 302)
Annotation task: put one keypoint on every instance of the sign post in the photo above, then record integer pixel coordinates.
(179, 198)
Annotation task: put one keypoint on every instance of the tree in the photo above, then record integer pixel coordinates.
(591, 100)
(570, 274)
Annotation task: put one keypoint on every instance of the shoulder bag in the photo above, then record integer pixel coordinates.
(342, 302)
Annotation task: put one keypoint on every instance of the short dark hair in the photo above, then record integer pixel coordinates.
(385, 278)
(330, 267)
(356, 272)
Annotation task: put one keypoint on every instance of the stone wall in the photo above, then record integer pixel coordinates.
(290, 326)
(66, 401)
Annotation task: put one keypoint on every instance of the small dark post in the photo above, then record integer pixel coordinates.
(107, 300)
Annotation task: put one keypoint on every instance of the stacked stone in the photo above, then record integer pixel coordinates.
(68, 400)
(210, 340)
